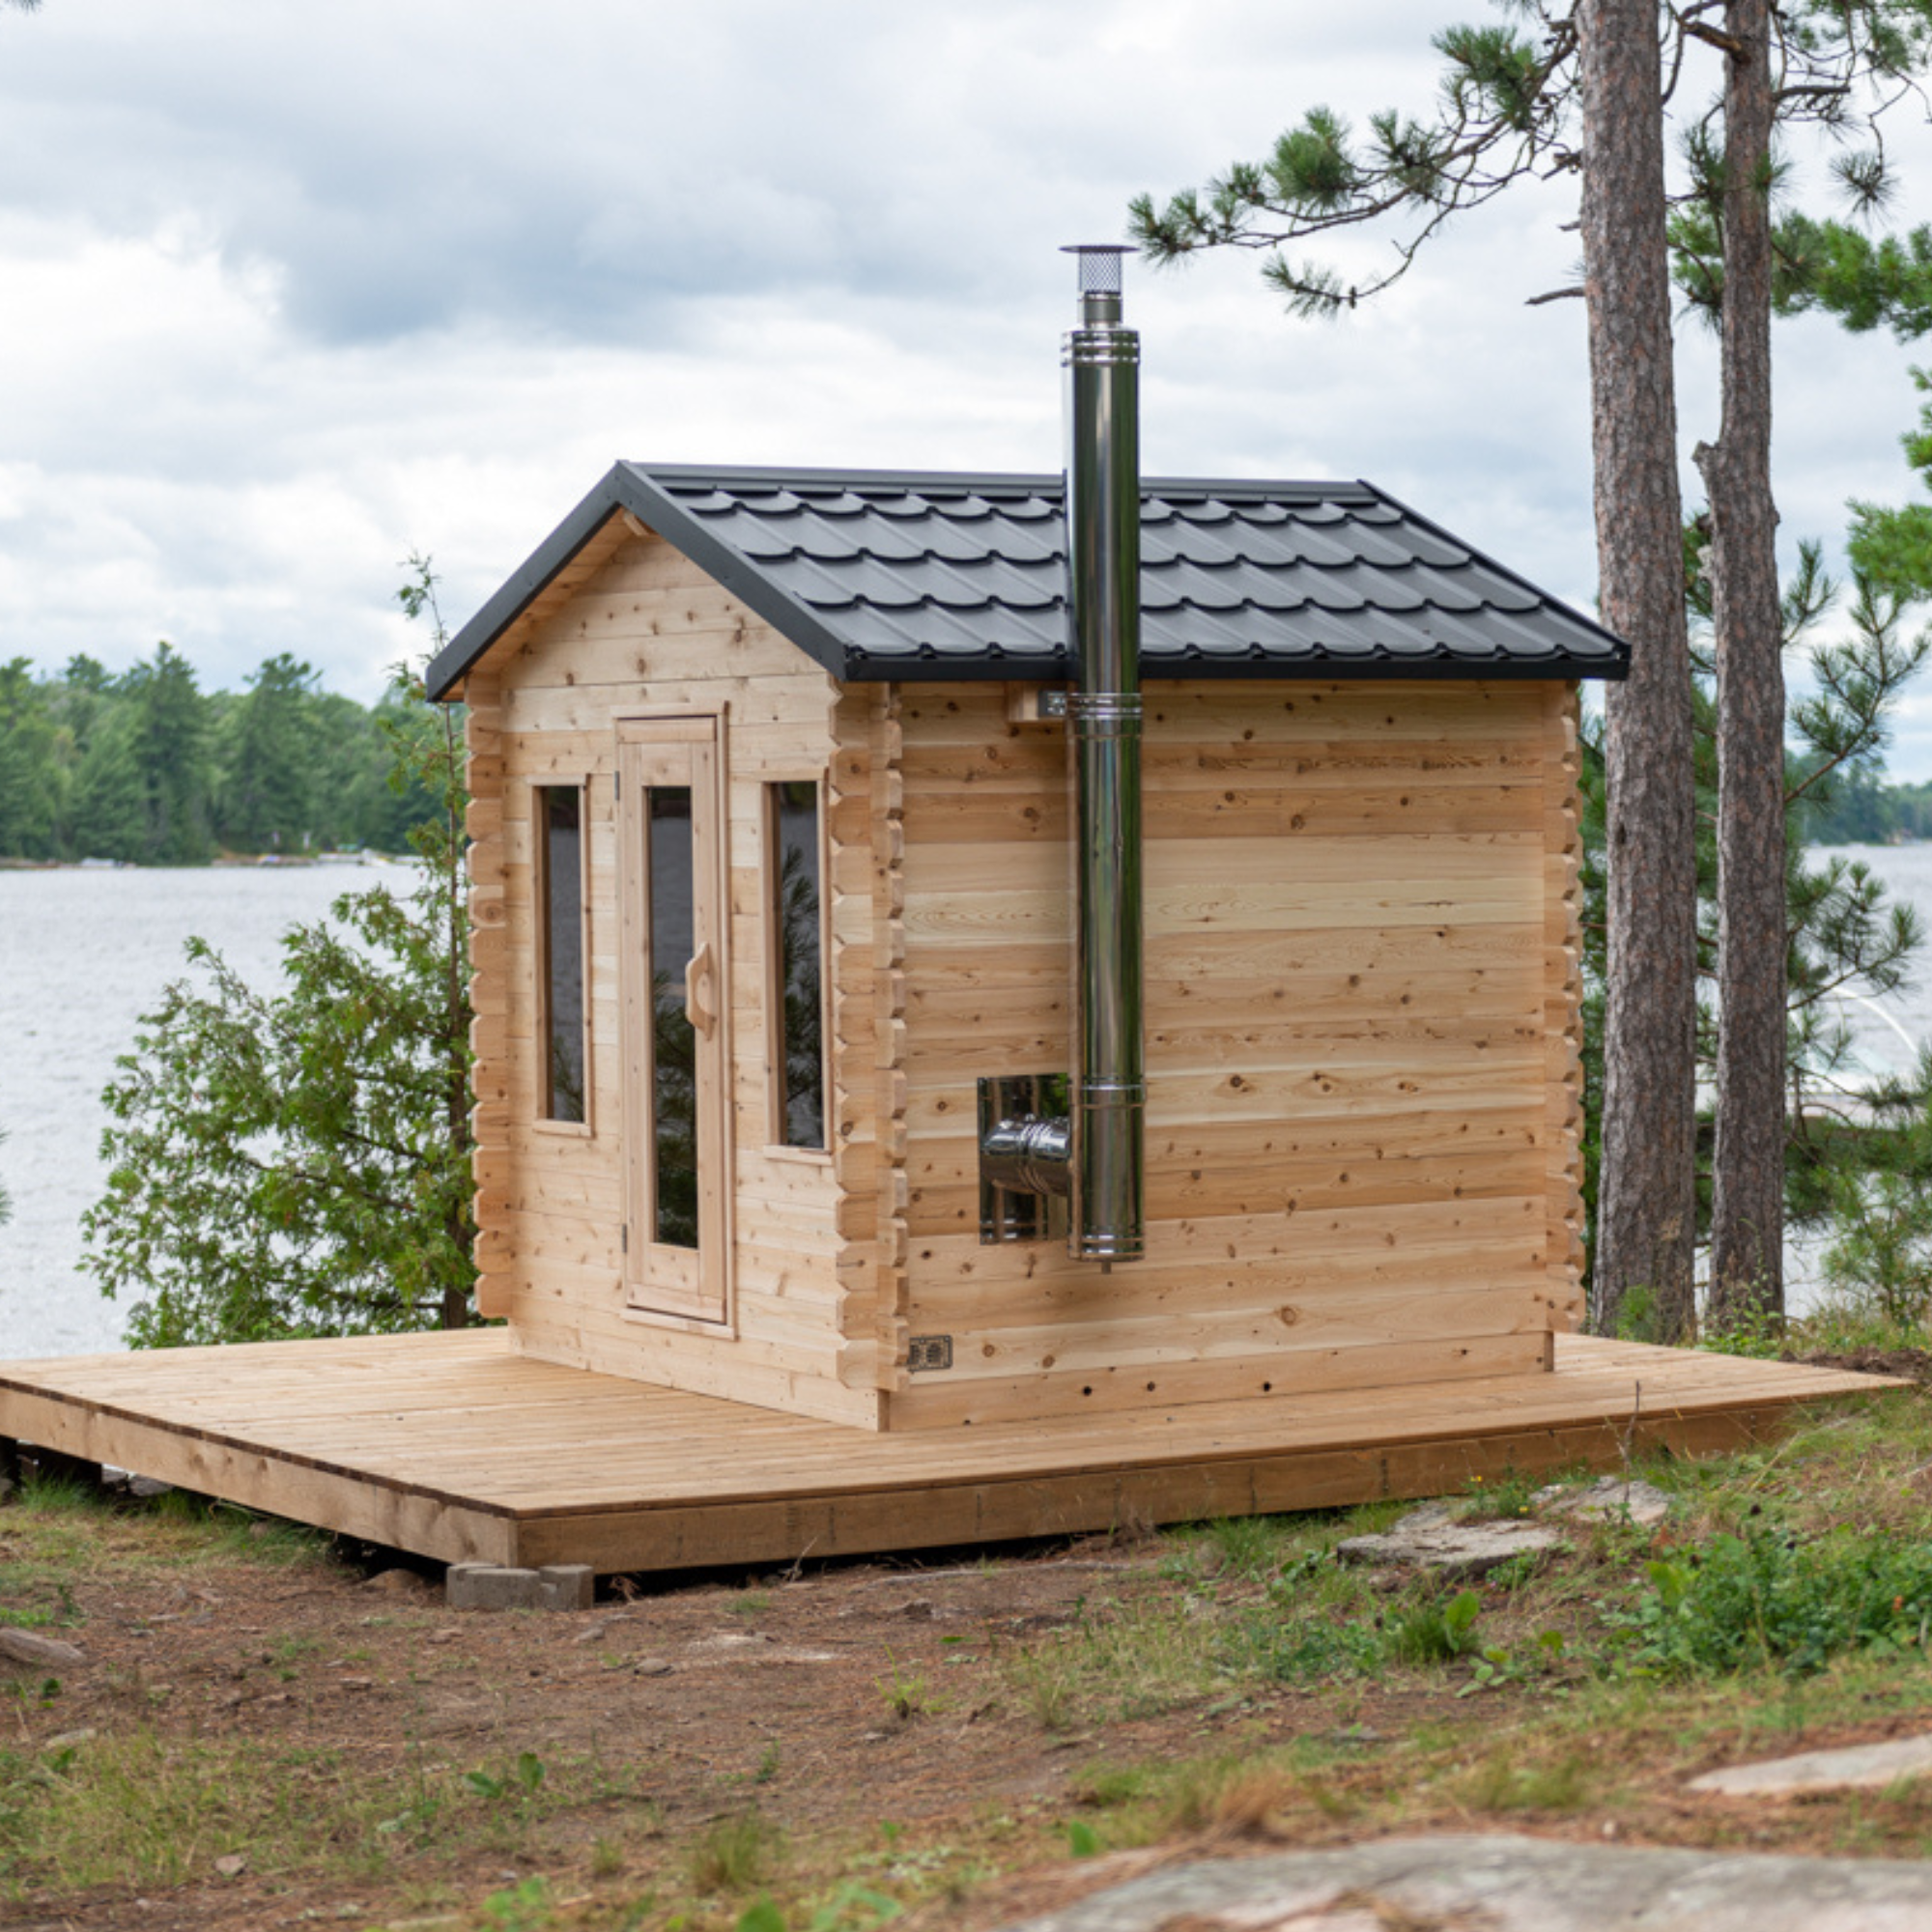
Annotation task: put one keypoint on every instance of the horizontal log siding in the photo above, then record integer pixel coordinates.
(1360, 963)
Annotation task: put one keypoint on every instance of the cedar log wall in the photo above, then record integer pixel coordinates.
(1362, 1004)
(633, 625)
(1362, 1086)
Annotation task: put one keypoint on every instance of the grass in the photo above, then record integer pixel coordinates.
(1214, 1797)
(1783, 1561)
(1242, 1683)
(144, 1811)
(1511, 1494)
(735, 1854)
(1839, 1325)
(1501, 1783)
(907, 1692)
(243, 1532)
(78, 1525)
(1138, 1661)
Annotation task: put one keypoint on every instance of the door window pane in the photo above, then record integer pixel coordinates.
(560, 820)
(798, 933)
(673, 1039)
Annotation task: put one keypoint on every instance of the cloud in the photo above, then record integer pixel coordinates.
(292, 292)
(407, 168)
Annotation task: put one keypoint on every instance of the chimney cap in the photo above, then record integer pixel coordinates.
(1099, 266)
(1100, 290)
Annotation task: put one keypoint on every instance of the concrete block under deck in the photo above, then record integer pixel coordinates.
(456, 1446)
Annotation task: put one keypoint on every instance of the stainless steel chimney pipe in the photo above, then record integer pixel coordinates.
(1103, 568)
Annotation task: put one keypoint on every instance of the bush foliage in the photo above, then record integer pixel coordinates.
(298, 1162)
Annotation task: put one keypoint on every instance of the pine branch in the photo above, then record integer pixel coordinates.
(1713, 36)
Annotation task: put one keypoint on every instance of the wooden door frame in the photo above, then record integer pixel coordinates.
(703, 1299)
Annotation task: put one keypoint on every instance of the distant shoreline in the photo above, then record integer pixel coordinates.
(223, 861)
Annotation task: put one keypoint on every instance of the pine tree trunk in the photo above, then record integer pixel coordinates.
(1748, 1174)
(1646, 1203)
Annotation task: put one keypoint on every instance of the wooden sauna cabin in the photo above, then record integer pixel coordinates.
(1091, 959)
(774, 919)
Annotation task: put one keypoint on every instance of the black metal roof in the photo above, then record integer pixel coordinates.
(889, 574)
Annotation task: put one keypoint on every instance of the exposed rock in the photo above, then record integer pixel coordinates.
(1863, 1767)
(1511, 1885)
(1432, 1538)
(1609, 1498)
(750, 1648)
(30, 1647)
(591, 1633)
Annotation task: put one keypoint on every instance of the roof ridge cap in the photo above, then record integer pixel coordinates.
(966, 481)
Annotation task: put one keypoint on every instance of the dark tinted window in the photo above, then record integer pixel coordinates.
(798, 927)
(560, 818)
(673, 1039)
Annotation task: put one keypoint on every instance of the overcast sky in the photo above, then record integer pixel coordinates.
(287, 292)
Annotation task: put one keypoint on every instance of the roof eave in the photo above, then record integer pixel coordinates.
(864, 668)
(1619, 647)
(630, 487)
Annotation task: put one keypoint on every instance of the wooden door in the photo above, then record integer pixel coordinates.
(673, 987)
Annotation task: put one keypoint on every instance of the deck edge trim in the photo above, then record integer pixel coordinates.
(833, 1489)
(289, 1458)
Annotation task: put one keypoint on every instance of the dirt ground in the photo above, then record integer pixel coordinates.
(1913, 1364)
(860, 1698)
(879, 1716)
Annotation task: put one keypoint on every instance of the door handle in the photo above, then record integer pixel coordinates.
(699, 1009)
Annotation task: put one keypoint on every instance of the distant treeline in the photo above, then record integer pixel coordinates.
(148, 768)
(1869, 812)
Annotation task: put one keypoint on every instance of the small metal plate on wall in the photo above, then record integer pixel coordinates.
(1005, 1214)
(927, 1352)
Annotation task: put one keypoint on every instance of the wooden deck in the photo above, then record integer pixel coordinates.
(458, 1447)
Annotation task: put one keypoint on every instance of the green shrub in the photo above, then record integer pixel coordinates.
(1433, 1632)
(1765, 1599)
(1879, 1255)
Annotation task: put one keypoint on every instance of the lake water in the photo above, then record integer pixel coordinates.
(84, 954)
(1889, 1033)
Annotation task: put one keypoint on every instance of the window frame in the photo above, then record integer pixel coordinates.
(771, 875)
(543, 1119)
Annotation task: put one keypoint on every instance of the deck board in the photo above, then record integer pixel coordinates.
(459, 1446)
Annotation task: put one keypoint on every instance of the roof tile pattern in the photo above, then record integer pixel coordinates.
(918, 573)
(897, 575)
